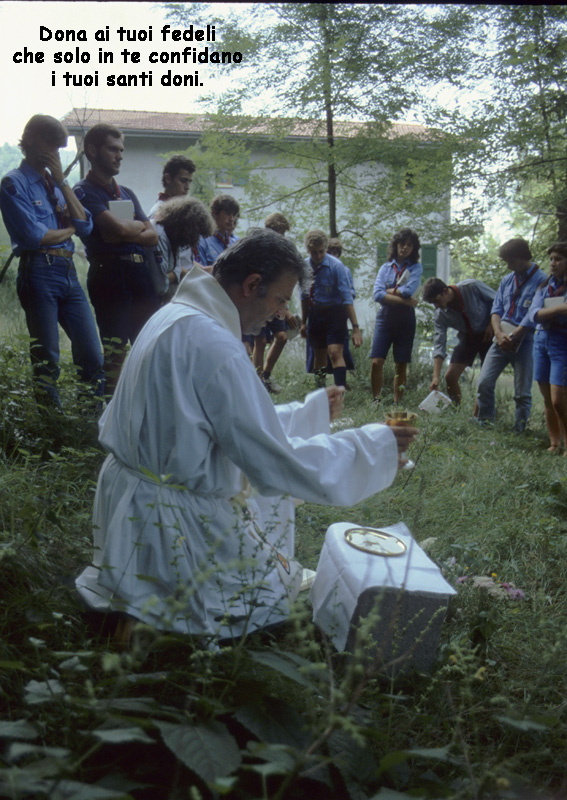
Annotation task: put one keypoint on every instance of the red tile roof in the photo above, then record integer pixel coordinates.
(161, 122)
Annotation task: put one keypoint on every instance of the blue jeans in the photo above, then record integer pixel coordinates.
(50, 293)
(495, 361)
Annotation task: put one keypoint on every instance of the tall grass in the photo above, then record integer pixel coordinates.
(281, 715)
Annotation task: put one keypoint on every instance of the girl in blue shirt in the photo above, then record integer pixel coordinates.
(550, 345)
(397, 281)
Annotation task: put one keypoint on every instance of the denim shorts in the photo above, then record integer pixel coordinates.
(395, 327)
(550, 357)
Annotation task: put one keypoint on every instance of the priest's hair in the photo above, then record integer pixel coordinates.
(263, 252)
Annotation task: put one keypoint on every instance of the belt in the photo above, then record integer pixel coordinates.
(55, 252)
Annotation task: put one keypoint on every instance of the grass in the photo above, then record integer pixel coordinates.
(282, 715)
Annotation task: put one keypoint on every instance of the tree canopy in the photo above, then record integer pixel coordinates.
(488, 82)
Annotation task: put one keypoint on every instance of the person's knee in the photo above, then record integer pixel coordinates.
(451, 378)
(454, 371)
(335, 352)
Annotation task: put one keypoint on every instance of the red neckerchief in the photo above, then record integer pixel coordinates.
(399, 270)
(519, 287)
(461, 307)
(560, 289)
(221, 238)
(112, 188)
(312, 287)
(59, 212)
(162, 197)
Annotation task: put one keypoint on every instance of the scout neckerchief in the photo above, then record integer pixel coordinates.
(112, 188)
(315, 271)
(461, 307)
(519, 286)
(399, 270)
(224, 239)
(560, 289)
(49, 184)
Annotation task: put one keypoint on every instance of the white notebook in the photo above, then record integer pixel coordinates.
(552, 302)
(123, 209)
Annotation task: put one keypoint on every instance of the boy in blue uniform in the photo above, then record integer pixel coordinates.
(225, 212)
(326, 307)
(513, 333)
(41, 214)
(275, 331)
(465, 306)
(119, 281)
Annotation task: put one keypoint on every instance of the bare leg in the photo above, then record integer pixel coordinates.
(452, 376)
(336, 355)
(377, 376)
(258, 353)
(400, 377)
(337, 358)
(275, 351)
(320, 366)
(551, 420)
(319, 358)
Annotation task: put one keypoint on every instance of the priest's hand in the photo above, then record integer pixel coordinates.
(336, 396)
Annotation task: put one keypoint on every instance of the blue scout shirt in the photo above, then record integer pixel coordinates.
(473, 318)
(515, 294)
(330, 283)
(211, 247)
(552, 288)
(405, 275)
(28, 212)
(350, 281)
(95, 197)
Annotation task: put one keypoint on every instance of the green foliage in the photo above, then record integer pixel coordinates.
(313, 65)
(280, 714)
(477, 257)
(510, 122)
(532, 93)
(10, 157)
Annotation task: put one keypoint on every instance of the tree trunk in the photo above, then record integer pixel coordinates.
(331, 171)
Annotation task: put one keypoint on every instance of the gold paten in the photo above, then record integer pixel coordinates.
(375, 541)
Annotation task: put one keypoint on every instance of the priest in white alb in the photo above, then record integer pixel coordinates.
(194, 510)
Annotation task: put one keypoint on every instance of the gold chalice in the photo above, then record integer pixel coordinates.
(402, 419)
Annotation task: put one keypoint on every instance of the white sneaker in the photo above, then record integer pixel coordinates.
(273, 388)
